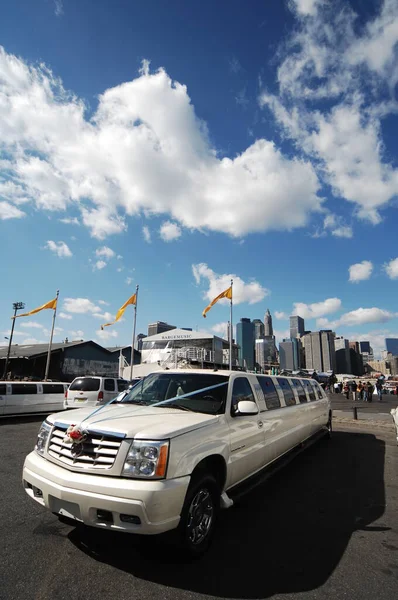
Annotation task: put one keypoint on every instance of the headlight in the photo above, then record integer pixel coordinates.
(146, 459)
(42, 437)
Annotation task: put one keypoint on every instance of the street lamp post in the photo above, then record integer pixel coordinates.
(16, 306)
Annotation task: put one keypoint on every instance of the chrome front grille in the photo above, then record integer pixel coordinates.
(97, 451)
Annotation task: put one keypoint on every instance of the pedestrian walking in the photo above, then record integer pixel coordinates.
(365, 392)
(336, 387)
(353, 387)
(360, 391)
(370, 391)
(379, 388)
(346, 391)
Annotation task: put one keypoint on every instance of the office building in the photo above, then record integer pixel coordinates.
(289, 354)
(139, 338)
(364, 347)
(296, 327)
(343, 361)
(392, 346)
(259, 330)
(245, 341)
(265, 353)
(268, 329)
(356, 359)
(159, 327)
(319, 350)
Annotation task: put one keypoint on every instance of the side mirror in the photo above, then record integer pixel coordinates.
(245, 407)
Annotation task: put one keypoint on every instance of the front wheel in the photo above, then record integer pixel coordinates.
(198, 516)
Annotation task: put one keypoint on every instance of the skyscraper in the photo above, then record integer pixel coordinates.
(268, 330)
(258, 329)
(343, 358)
(289, 354)
(159, 327)
(296, 327)
(245, 341)
(392, 346)
(319, 349)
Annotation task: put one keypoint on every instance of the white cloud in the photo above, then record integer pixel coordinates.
(100, 264)
(106, 316)
(317, 309)
(105, 252)
(31, 324)
(120, 269)
(129, 280)
(147, 234)
(79, 334)
(360, 316)
(281, 315)
(336, 226)
(251, 292)
(144, 150)
(306, 7)
(360, 271)
(8, 211)
(80, 306)
(281, 335)
(103, 302)
(63, 315)
(221, 329)
(107, 334)
(169, 231)
(31, 340)
(59, 8)
(119, 257)
(59, 248)
(70, 221)
(391, 268)
(355, 69)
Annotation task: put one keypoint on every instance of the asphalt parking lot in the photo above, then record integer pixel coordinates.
(326, 526)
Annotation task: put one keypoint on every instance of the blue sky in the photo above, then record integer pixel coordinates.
(174, 145)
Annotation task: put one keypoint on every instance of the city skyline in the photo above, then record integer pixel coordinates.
(191, 149)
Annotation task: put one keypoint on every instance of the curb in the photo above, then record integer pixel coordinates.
(364, 423)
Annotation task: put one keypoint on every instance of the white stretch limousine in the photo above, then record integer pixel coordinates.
(24, 397)
(178, 447)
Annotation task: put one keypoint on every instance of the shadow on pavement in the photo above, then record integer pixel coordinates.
(286, 536)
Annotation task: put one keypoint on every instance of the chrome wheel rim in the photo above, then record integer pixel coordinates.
(200, 516)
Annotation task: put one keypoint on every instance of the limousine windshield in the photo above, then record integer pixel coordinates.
(162, 387)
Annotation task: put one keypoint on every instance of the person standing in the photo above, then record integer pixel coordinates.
(353, 387)
(370, 391)
(336, 387)
(379, 388)
(365, 392)
(360, 391)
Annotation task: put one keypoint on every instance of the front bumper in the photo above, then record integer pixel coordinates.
(105, 501)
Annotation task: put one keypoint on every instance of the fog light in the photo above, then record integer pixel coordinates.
(104, 515)
(37, 492)
(130, 519)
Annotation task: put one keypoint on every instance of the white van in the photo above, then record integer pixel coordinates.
(92, 390)
(26, 397)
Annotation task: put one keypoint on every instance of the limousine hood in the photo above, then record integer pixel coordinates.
(140, 422)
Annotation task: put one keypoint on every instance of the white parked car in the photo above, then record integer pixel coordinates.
(92, 390)
(177, 448)
(28, 397)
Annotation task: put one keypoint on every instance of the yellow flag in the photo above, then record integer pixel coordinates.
(226, 294)
(52, 304)
(120, 312)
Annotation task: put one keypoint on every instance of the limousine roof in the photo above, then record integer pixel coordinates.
(225, 372)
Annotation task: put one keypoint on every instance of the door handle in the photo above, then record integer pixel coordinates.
(260, 424)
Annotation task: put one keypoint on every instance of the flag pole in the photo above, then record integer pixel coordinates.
(134, 324)
(230, 331)
(51, 340)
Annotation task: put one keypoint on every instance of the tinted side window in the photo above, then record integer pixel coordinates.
(53, 388)
(3, 389)
(241, 391)
(318, 389)
(287, 391)
(270, 393)
(309, 388)
(109, 385)
(300, 390)
(122, 385)
(24, 388)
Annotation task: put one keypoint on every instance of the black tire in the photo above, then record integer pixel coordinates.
(329, 428)
(198, 516)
